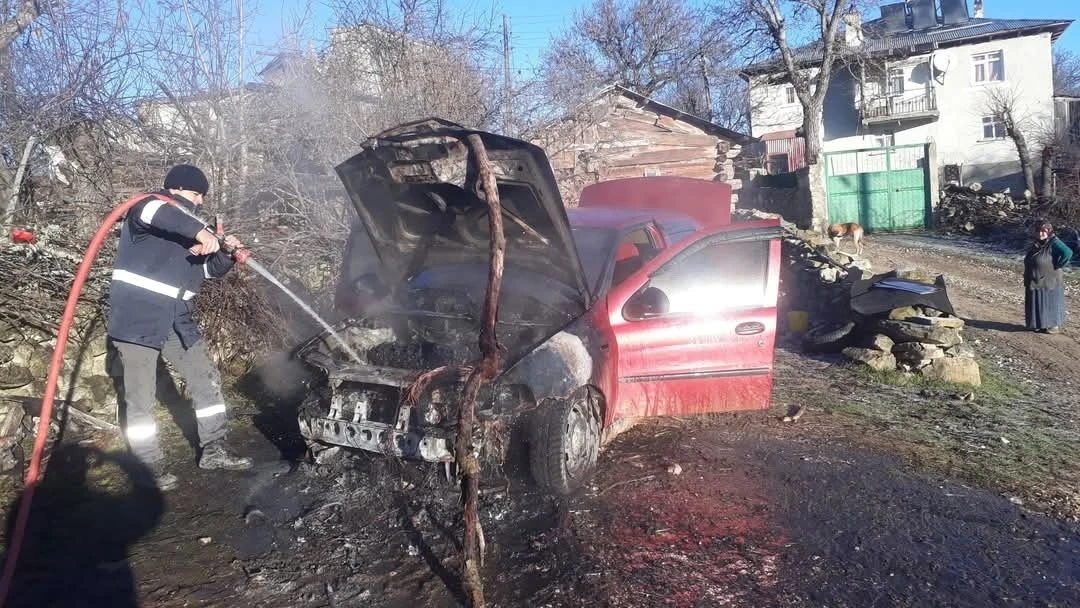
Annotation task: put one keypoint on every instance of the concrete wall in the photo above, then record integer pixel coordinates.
(962, 103)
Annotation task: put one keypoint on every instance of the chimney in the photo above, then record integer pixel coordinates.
(978, 9)
(894, 17)
(853, 32)
(954, 12)
(923, 15)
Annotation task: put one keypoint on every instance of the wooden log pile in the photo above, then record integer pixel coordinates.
(974, 211)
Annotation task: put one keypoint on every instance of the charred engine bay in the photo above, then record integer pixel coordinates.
(396, 346)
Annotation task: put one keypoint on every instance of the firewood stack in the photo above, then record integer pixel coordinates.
(974, 211)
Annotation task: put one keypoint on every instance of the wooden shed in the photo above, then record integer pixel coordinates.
(620, 133)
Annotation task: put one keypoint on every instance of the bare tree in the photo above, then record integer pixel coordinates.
(668, 49)
(808, 67)
(1066, 72)
(65, 80)
(803, 40)
(417, 58)
(1023, 127)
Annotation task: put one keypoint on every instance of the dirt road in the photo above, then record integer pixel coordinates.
(987, 290)
(883, 494)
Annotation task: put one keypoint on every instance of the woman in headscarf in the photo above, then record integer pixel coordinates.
(1044, 281)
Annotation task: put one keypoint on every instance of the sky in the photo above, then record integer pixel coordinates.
(533, 22)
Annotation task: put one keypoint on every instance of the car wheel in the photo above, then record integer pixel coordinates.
(828, 340)
(564, 443)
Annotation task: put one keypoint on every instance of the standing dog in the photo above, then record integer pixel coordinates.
(837, 232)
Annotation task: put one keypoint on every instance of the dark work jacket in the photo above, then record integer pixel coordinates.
(155, 277)
(1044, 262)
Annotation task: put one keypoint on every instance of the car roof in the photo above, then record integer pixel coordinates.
(619, 218)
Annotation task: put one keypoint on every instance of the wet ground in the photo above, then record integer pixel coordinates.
(728, 510)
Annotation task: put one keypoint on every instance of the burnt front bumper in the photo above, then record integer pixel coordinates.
(429, 445)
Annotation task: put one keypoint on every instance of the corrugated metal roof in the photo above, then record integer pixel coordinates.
(918, 41)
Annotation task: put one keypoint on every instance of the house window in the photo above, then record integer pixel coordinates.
(895, 83)
(790, 94)
(993, 127)
(778, 163)
(989, 67)
(885, 140)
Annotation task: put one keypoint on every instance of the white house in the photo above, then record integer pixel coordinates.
(918, 92)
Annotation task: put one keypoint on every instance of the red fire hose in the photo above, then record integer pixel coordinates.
(33, 475)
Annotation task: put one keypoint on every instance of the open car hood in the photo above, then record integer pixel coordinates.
(415, 189)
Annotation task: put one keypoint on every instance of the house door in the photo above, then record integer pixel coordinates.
(695, 328)
(881, 188)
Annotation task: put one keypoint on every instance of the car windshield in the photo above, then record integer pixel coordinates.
(594, 246)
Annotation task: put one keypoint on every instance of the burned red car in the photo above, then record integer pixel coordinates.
(644, 301)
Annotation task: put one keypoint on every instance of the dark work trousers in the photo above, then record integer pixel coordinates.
(139, 388)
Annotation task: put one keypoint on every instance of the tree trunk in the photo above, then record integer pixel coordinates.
(813, 136)
(25, 14)
(1022, 151)
(813, 132)
(16, 186)
(1047, 171)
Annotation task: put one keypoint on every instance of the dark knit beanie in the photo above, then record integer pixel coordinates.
(187, 177)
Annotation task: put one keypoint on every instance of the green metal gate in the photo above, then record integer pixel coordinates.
(881, 188)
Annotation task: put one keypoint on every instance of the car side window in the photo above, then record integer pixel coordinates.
(635, 249)
(717, 277)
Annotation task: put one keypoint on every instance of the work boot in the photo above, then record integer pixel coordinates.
(215, 456)
(157, 477)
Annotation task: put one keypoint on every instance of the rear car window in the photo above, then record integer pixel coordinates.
(594, 247)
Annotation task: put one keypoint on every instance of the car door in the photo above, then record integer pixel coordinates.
(694, 329)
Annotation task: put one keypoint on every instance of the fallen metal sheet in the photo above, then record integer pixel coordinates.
(869, 298)
(901, 285)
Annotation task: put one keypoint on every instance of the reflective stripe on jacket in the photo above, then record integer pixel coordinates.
(155, 277)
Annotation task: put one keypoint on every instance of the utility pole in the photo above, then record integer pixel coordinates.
(507, 83)
(705, 83)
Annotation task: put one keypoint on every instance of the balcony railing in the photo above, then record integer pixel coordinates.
(891, 107)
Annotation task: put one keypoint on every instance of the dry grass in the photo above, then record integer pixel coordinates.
(1006, 437)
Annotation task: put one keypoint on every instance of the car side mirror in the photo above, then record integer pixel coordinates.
(651, 302)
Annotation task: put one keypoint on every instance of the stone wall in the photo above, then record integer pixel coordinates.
(913, 340)
(25, 356)
(786, 195)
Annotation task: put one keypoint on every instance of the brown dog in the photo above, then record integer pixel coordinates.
(837, 232)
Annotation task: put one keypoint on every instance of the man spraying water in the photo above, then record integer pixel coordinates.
(164, 256)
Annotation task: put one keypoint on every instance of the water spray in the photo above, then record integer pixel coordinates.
(242, 255)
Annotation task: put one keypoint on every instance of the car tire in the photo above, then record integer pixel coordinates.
(828, 340)
(564, 443)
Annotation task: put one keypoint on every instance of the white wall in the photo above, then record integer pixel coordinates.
(769, 108)
(962, 103)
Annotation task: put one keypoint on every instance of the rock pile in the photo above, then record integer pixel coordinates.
(816, 276)
(915, 339)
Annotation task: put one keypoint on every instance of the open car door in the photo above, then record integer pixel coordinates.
(694, 330)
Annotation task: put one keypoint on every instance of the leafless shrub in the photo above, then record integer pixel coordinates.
(1066, 72)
